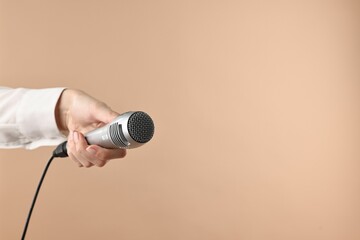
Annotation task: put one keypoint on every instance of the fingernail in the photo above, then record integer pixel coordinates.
(76, 137)
(91, 150)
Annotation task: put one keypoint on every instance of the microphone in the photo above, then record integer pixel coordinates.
(128, 130)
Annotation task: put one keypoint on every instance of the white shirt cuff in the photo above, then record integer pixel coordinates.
(36, 117)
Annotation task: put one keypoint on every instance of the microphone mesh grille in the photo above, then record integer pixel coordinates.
(141, 127)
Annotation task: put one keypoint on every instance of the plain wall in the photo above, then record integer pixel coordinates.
(257, 112)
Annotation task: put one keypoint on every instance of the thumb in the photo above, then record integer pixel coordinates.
(105, 114)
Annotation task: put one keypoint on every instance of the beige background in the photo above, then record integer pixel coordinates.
(257, 111)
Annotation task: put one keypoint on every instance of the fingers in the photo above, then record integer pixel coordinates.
(71, 149)
(104, 154)
(89, 155)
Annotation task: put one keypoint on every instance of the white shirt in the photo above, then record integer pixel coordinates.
(27, 117)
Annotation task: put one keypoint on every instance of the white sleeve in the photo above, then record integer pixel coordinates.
(27, 117)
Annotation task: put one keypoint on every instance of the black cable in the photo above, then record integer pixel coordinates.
(35, 197)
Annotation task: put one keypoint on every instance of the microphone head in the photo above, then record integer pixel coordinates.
(130, 130)
(140, 127)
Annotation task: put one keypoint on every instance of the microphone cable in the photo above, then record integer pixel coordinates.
(35, 197)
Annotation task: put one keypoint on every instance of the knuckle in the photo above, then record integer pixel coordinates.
(100, 105)
(101, 157)
(87, 165)
(100, 163)
(122, 153)
(81, 151)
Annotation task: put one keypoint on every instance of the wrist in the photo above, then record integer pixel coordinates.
(62, 111)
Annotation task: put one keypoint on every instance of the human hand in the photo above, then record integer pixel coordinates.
(78, 113)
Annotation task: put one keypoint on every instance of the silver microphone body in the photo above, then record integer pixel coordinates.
(114, 135)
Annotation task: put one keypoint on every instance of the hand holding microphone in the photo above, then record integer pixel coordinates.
(108, 134)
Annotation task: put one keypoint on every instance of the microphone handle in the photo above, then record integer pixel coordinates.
(61, 150)
(97, 136)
